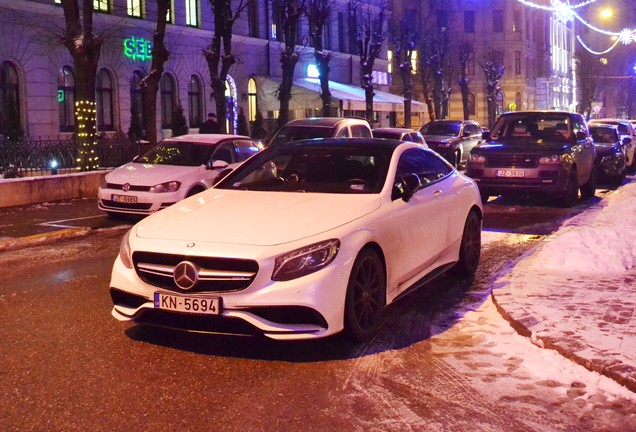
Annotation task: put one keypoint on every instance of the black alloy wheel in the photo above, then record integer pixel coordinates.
(194, 191)
(589, 189)
(366, 296)
(571, 190)
(470, 247)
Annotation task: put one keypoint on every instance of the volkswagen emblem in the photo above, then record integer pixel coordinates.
(126, 187)
(185, 275)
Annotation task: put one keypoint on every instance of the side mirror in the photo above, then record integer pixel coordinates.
(217, 164)
(627, 140)
(580, 136)
(221, 175)
(411, 184)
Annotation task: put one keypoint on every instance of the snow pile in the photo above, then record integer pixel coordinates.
(600, 241)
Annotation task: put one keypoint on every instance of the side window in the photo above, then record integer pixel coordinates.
(224, 152)
(360, 131)
(245, 149)
(342, 133)
(426, 164)
(580, 126)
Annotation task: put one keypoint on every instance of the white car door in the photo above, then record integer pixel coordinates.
(424, 218)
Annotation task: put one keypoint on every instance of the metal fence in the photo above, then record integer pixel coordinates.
(33, 157)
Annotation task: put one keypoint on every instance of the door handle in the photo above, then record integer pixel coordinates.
(438, 193)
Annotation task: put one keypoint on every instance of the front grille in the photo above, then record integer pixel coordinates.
(132, 187)
(119, 205)
(214, 274)
(512, 160)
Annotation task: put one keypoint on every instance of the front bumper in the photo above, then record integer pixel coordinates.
(545, 180)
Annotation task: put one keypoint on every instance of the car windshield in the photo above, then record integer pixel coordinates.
(307, 168)
(298, 133)
(532, 127)
(602, 134)
(447, 129)
(177, 153)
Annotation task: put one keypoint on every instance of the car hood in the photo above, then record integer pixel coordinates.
(438, 138)
(603, 149)
(149, 174)
(530, 146)
(255, 218)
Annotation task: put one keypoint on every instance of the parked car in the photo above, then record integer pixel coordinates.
(322, 127)
(172, 170)
(542, 153)
(610, 153)
(252, 255)
(627, 132)
(401, 134)
(453, 139)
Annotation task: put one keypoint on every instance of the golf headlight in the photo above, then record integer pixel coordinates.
(306, 260)
(124, 250)
(172, 186)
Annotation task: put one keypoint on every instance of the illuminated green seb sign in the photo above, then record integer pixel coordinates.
(138, 49)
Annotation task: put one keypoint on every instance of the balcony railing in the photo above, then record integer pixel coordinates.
(34, 157)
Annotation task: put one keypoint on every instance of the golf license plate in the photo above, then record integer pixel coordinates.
(511, 173)
(188, 304)
(125, 199)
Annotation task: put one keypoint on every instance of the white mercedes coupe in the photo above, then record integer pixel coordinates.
(304, 240)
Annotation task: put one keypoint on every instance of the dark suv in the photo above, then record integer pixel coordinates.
(543, 153)
(453, 139)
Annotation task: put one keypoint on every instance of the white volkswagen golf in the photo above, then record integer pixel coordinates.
(170, 171)
(304, 240)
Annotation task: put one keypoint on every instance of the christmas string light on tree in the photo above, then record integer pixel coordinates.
(566, 12)
(86, 115)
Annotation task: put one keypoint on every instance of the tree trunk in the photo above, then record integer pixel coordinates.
(322, 62)
(288, 62)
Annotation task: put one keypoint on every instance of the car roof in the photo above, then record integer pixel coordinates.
(325, 121)
(376, 143)
(609, 121)
(395, 130)
(205, 138)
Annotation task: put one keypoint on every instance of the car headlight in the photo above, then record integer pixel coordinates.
(171, 186)
(550, 160)
(124, 250)
(444, 144)
(477, 158)
(103, 183)
(306, 260)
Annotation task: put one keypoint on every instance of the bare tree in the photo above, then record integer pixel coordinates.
(150, 83)
(370, 22)
(425, 72)
(404, 46)
(589, 70)
(318, 12)
(288, 15)
(219, 56)
(85, 48)
(466, 51)
(492, 64)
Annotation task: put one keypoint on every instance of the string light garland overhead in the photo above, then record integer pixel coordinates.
(565, 12)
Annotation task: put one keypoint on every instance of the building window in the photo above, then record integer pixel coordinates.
(101, 5)
(389, 57)
(518, 102)
(517, 62)
(66, 99)
(276, 22)
(442, 19)
(470, 67)
(413, 62)
(469, 21)
(104, 101)
(498, 21)
(9, 99)
(192, 13)
(251, 99)
(167, 101)
(170, 14)
(500, 103)
(195, 101)
(252, 18)
(516, 21)
(472, 104)
(326, 36)
(133, 8)
(342, 31)
(136, 107)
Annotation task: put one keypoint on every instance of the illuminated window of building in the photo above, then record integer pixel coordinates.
(192, 13)
(251, 99)
(101, 5)
(195, 101)
(133, 8)
(104, 100)
(413, 62)
(66, 99)
(389, 57)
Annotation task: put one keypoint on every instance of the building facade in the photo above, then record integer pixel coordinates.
(37, 76)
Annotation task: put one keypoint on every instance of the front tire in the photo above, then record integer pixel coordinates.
(589, 189)
(571, 190)
(470, 247)
(366, 296)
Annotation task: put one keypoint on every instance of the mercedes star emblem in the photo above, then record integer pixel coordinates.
(126, 187)
(185, 275)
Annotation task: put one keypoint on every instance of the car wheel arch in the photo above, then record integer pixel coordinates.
(195, 189)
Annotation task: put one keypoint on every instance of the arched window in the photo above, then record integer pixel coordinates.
(500, 103)
(518, 102)
(167, 100)
(251, 99)
(136, 107)
(104, 101)
(10, 122)
(472, 104)
(195, 101)
(66, 99)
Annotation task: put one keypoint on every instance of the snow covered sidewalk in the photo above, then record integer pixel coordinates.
(576, 292)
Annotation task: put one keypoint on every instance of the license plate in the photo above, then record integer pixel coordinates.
(511, 173)
(188, 304)
(125, 199)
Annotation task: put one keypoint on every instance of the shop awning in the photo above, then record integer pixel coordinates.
(306, 94)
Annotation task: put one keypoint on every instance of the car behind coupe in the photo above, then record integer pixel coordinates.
(304, 240)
